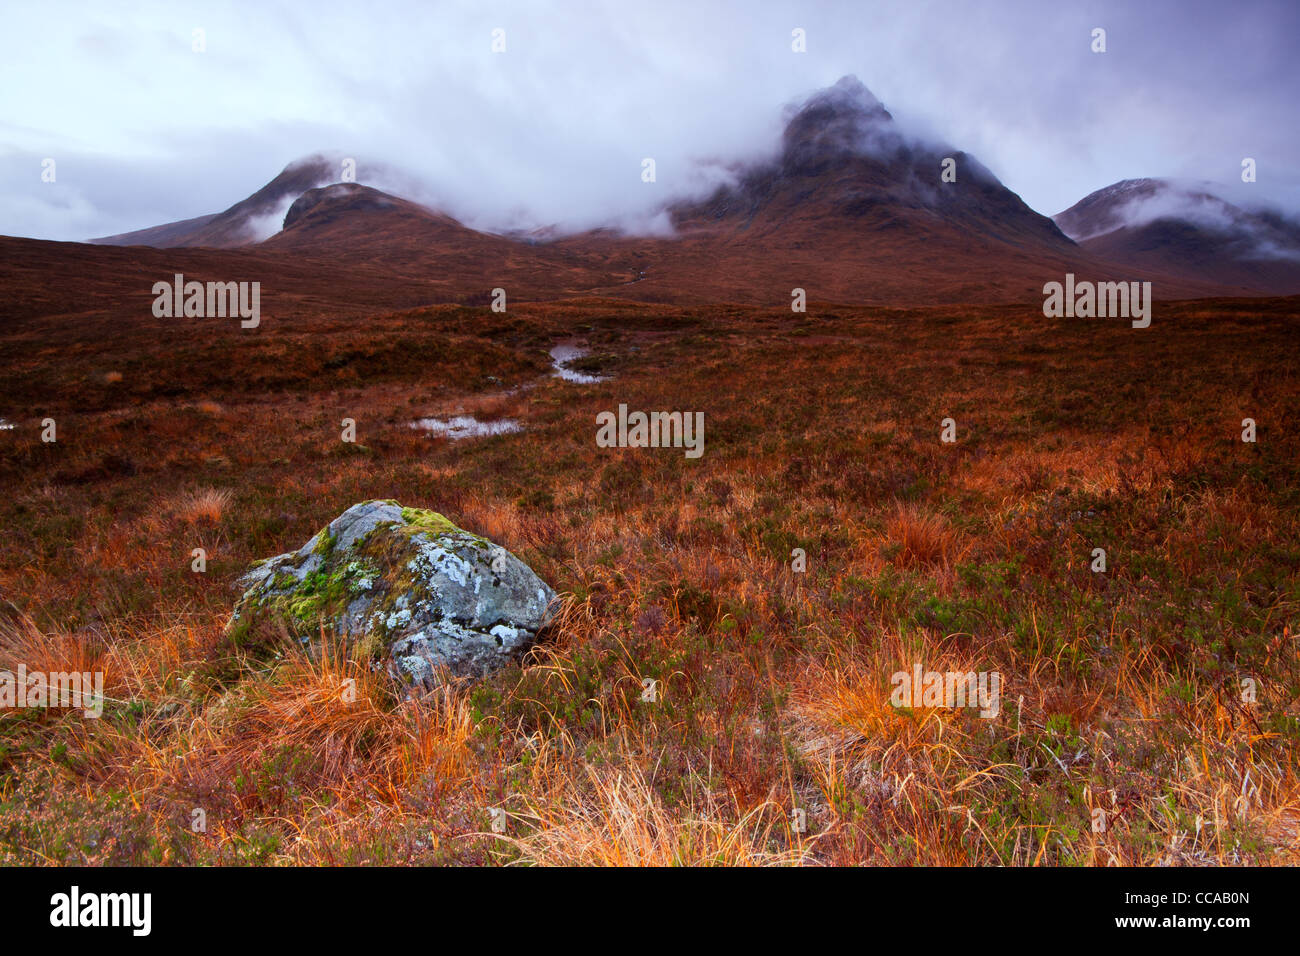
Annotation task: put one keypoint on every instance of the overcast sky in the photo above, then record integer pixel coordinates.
(145, 130)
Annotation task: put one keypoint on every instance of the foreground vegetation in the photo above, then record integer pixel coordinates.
(1122, 690)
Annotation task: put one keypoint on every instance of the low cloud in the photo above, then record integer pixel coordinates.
(553, 131)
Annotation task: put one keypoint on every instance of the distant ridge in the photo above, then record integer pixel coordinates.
(1188, 231)
(851, 209)
(249, 220)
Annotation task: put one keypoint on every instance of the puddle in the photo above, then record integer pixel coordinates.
(562, 355)
(467, 426)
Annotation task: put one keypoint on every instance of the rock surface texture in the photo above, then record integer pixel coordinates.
(405, 585)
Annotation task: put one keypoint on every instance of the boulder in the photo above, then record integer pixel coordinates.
(405, 586)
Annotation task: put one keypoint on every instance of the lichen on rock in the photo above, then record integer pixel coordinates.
(407, 586)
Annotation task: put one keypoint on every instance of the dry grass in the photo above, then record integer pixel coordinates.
(205, 505)
(618, 819)
(921, 538)
(333, 724)
(1121, 691)
(44, 654)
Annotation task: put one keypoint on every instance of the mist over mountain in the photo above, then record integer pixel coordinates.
(550, 434)
(848, 204)
(841, 156)
(1188, 229)
(844, 157)
(249, 220)
(552, 130)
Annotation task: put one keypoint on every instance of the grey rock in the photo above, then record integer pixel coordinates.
(407, 587)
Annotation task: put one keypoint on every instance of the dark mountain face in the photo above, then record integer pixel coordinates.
(845, 162)
(835, 126)
(1188, 231)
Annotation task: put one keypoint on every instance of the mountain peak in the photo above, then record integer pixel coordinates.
(252, 219)
(836, 123)
(849, 92)
(321, 162)
(1137, 201)
(1174, 226)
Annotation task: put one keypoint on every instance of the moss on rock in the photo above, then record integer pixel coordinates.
(406, 583)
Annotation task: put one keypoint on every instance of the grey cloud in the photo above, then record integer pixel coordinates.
(554, 130)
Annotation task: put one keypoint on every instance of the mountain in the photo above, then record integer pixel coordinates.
(1188, 231)
(347, 214)
(850, 208)
(844, 161)
(362, 225)
(249, 220)
(344, 250)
